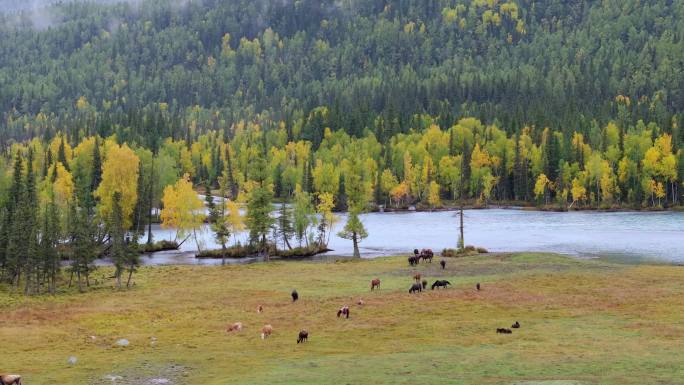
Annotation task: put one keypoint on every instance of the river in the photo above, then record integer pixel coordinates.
(628, 236)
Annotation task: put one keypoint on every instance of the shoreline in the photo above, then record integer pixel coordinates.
(555, 209)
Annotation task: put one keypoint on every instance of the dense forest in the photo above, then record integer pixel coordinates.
(115, 114)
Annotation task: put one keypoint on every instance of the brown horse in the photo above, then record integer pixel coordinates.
(375, 283)
(424, 283)
(236, 327)
(266, 331)
(10, 379)
(417, 277)
(303, 336)
(427, 254)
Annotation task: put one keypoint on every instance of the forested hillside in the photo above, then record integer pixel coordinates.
(119, 109)
(373, 63)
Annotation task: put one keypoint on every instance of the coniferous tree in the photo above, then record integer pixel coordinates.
(258, 219)
(285, 228)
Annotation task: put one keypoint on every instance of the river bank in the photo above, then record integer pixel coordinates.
(582, 320)
(649, 236)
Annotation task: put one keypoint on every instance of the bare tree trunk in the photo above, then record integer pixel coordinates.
(118, 278)
(194, 233)
(130, 274)
(461, 239)
(355, 239)
(80, 284)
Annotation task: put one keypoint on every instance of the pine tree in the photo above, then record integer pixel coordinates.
(30, 226)
(230, 180)
(217, 218)
(9, 231)
(258, 219)
(61, 155)
(48, 245)
(285, 228)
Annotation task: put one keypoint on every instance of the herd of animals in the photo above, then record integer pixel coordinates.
(417, 287)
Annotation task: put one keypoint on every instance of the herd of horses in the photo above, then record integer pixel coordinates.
(425, 255)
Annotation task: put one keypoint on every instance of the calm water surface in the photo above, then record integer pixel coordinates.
(628, 236)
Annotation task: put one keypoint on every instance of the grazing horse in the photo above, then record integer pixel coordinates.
(478, 286)
(10, 379)
(413, 261)
(424, 284)
(416, 287)
(344, 310)
(440, 283)
(504, 331)
(375, 283)
(266, 331)
(443, 264)
(516, 325)
(236, 327)
(303, 336)
(295, 296)
(417, 277)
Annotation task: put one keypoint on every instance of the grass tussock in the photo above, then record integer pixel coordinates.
(583, 322)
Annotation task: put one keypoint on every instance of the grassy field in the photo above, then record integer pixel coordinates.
(583, 322)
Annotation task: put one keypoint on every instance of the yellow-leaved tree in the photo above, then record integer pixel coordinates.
(540, 187)
(433, 195)
(234, 219)
(119, 174)
(578, 191)
(326, 204)
(183, 210)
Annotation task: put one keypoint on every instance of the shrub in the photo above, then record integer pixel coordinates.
(468, 250)
(160, 246)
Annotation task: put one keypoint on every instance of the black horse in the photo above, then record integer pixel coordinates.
(295, 296)
(440, 283)
(413, 261)
(516, 325)
(504, 331)
(477, 286)
(416, 287)
(424, 284)
(303, 336)
(443, 263)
